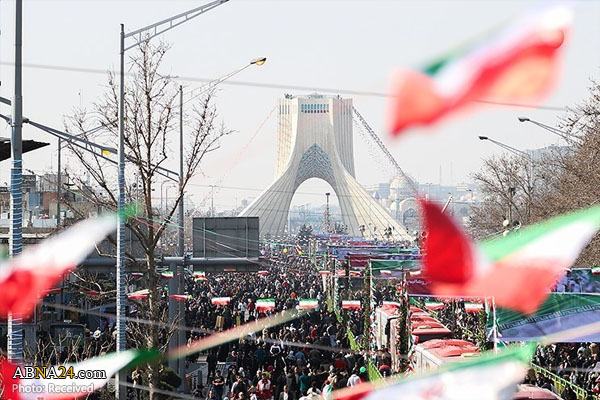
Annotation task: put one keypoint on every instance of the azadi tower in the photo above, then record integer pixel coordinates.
(315, 141)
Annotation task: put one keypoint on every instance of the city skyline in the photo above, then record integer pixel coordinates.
(451, 147)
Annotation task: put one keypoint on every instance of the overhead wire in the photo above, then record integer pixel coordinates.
(233, 82)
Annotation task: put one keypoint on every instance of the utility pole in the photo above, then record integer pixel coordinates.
(327, 215)
(58, 184)
(212, 201)
(181, 253)
(138, 37)
(15, 331)
(121, 393)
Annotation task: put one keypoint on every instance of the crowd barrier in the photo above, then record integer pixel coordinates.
(562, 384)
(374, 374)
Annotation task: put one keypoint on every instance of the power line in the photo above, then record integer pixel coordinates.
(265, 85)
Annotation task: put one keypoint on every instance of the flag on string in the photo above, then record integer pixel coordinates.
(393, 304)
(473, 307)
(518, 64)
(308, 304)
(24, 278)
(517, 270)
(91, 293)
(434, 305)
(199, 275)
(167, 274)
(221, 301)
(84, 377)
(51, 291)
(488, 377)
(351, 304)
(265, 304)
(180, 297)
(138, 295)
(299, 249)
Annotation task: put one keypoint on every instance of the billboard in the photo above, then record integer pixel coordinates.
(560, 312)
(225, 237)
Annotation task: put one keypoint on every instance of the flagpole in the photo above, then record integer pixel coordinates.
(495, 327)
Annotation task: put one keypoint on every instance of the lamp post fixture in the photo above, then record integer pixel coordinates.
(138, 36)
(562, 134)
(517, 152)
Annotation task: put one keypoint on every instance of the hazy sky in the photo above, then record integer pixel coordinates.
(345, 45)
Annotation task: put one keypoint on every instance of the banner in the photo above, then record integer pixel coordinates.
(578, 280)
(560, 312)
(393, 268)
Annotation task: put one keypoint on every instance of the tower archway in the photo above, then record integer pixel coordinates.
(315, 141)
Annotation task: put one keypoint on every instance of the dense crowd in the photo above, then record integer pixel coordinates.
(296, 360)
(311, 355)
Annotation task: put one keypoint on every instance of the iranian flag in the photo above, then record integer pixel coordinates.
(393, 304)
(595, 270)
(308, 304)
(51, 291)
(473, 307)
(16, 387)
(180, 297)
(434, 305)
(220, 301)
(263, 273)
(138, 295)
(24, 278)
(91, 293)
(167, 274)
(517, 270)
(351, 304)
(265, 304)
(520, 63)
(199, 276)
(488, 377)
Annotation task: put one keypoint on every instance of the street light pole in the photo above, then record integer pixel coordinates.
(15, 332)
(58, 183)
(555, 131)
(121, 377)
(517, 152)
(180, 232)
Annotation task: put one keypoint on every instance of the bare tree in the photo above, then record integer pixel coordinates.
(151, 122)
(565, 178)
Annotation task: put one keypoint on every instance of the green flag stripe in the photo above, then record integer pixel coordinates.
(498, 248)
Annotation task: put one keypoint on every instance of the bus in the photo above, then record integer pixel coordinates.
(434, 353)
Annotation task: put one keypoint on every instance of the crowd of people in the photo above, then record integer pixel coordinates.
(298, 360)
(311, 356)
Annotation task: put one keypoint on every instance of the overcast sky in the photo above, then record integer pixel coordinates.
(338, 44)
